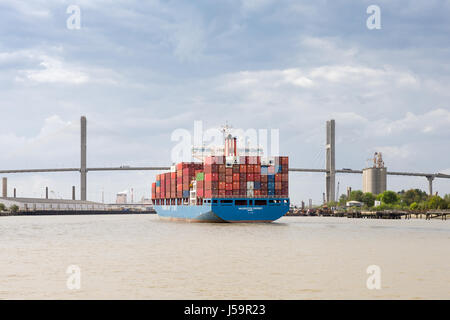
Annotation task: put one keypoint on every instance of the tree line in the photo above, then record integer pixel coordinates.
(413, 199)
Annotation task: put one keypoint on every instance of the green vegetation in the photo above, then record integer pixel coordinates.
(436, 202)
(388, 197)
(2, 207)
(14, 208)
(413, 199)
(413, 195)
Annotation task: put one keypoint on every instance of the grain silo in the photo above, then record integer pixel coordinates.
(375, 178)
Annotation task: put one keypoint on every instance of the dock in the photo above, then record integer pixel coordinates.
(386, 214)
(74, 212)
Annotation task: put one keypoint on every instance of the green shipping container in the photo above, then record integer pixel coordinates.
(200, 176)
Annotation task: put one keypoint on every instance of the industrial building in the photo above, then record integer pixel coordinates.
(375, 178)
(35, 204)
(121, 198)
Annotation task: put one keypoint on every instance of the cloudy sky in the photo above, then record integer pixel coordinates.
(140, 70)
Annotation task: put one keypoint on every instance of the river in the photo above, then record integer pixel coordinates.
(143, 257)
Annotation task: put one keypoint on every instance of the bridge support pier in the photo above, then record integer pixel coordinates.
(330, 162)
(83, 170)
(430, 184)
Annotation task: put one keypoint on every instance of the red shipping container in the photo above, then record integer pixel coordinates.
(221, 176)
(264, 178)
(284, 177)
(249, 168)
(257, 193)
(253, 160)
(229, 186)
(263, 192)
(235, 168)
(236, 176)
(278, 177)
(213, 168)
(249, 176)
(200, 193)
(221, 168)
(256, 177)
(235, 192)
(211, 185)
(229, 171)
(221, 192)
(243, 177)
(277, 185)
(242, 168)
(211, 177)
(221, 185)
(236, 185)
(229, 192)
(228, 179)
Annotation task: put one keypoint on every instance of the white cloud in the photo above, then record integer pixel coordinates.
(35, 9)
(56, 137)
(55, 71)
(251, 5)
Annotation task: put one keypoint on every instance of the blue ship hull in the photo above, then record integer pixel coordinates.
(227, 210)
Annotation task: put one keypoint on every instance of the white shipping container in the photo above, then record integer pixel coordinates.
(230, 160)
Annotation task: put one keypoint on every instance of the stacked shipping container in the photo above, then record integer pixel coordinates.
(220, 176)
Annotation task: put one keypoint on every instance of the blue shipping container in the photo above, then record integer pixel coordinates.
(186, 194)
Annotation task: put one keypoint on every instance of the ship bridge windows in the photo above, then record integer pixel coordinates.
(274, 202)
(260, 202)
(240, 202)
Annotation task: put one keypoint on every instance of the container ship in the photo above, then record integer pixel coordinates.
(224, 188)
